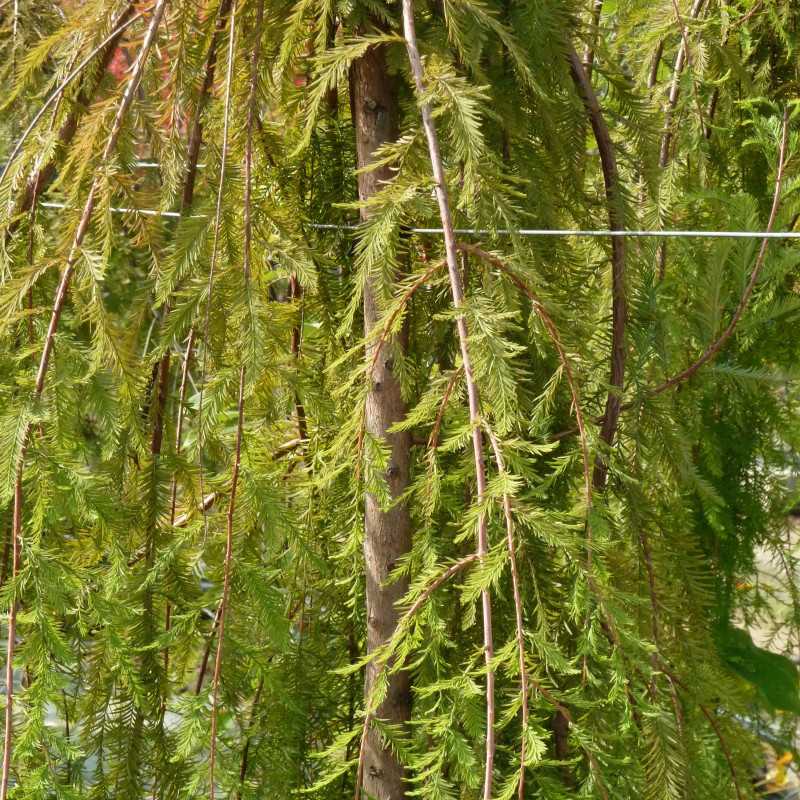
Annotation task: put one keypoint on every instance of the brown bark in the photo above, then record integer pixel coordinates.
(387, 533)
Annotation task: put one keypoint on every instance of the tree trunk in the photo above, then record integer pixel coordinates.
(387, 534)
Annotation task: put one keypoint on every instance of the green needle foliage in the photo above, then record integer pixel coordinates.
(169, 615)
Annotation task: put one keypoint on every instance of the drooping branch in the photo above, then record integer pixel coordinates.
(714, 723)
(385, 335)
(196, 132)
(555, 338)
(226, 584)
(45, 172)
(401, 304)
(669, 109)
(187, 198)
(440, 186)
(433, 439)
(67, 131)
(688, 60)
(296, 294)
(594, 32)
(711, 351)
(248, 740)
(616, 222)
(228, 561)
(58, 306)
(675, 87)
(608, 625)
(201, 672)
(518, 619)
(655, 63)
(713, 103)
(179, 422)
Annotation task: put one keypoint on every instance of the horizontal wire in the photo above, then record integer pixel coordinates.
(565, 232)
(147, 212)
(135, 164)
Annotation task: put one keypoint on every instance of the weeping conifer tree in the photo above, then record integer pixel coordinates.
(318, 475)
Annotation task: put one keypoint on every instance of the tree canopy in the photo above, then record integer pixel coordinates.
(331, 463)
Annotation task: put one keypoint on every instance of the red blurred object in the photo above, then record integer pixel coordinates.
(119, 64)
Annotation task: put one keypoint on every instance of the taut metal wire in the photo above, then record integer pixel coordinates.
(553, 232)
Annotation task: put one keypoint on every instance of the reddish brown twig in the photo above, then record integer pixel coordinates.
(713, 103)
(406, 296)
(713, 722)
(433, 439)
(688, 59)
(518, 620)
(296, 294)
(384, 335)
(714, 348)
(473, 396)
(201, 673)
(16, 528)
(187, 198)
(246, 749)
(672, 100)
(226, 584)
(179, 422)
(196, 132)
(125, 20)
(164, 366)
(616, 222)
(669, 109)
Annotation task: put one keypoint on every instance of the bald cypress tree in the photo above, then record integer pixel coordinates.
(319, 474)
